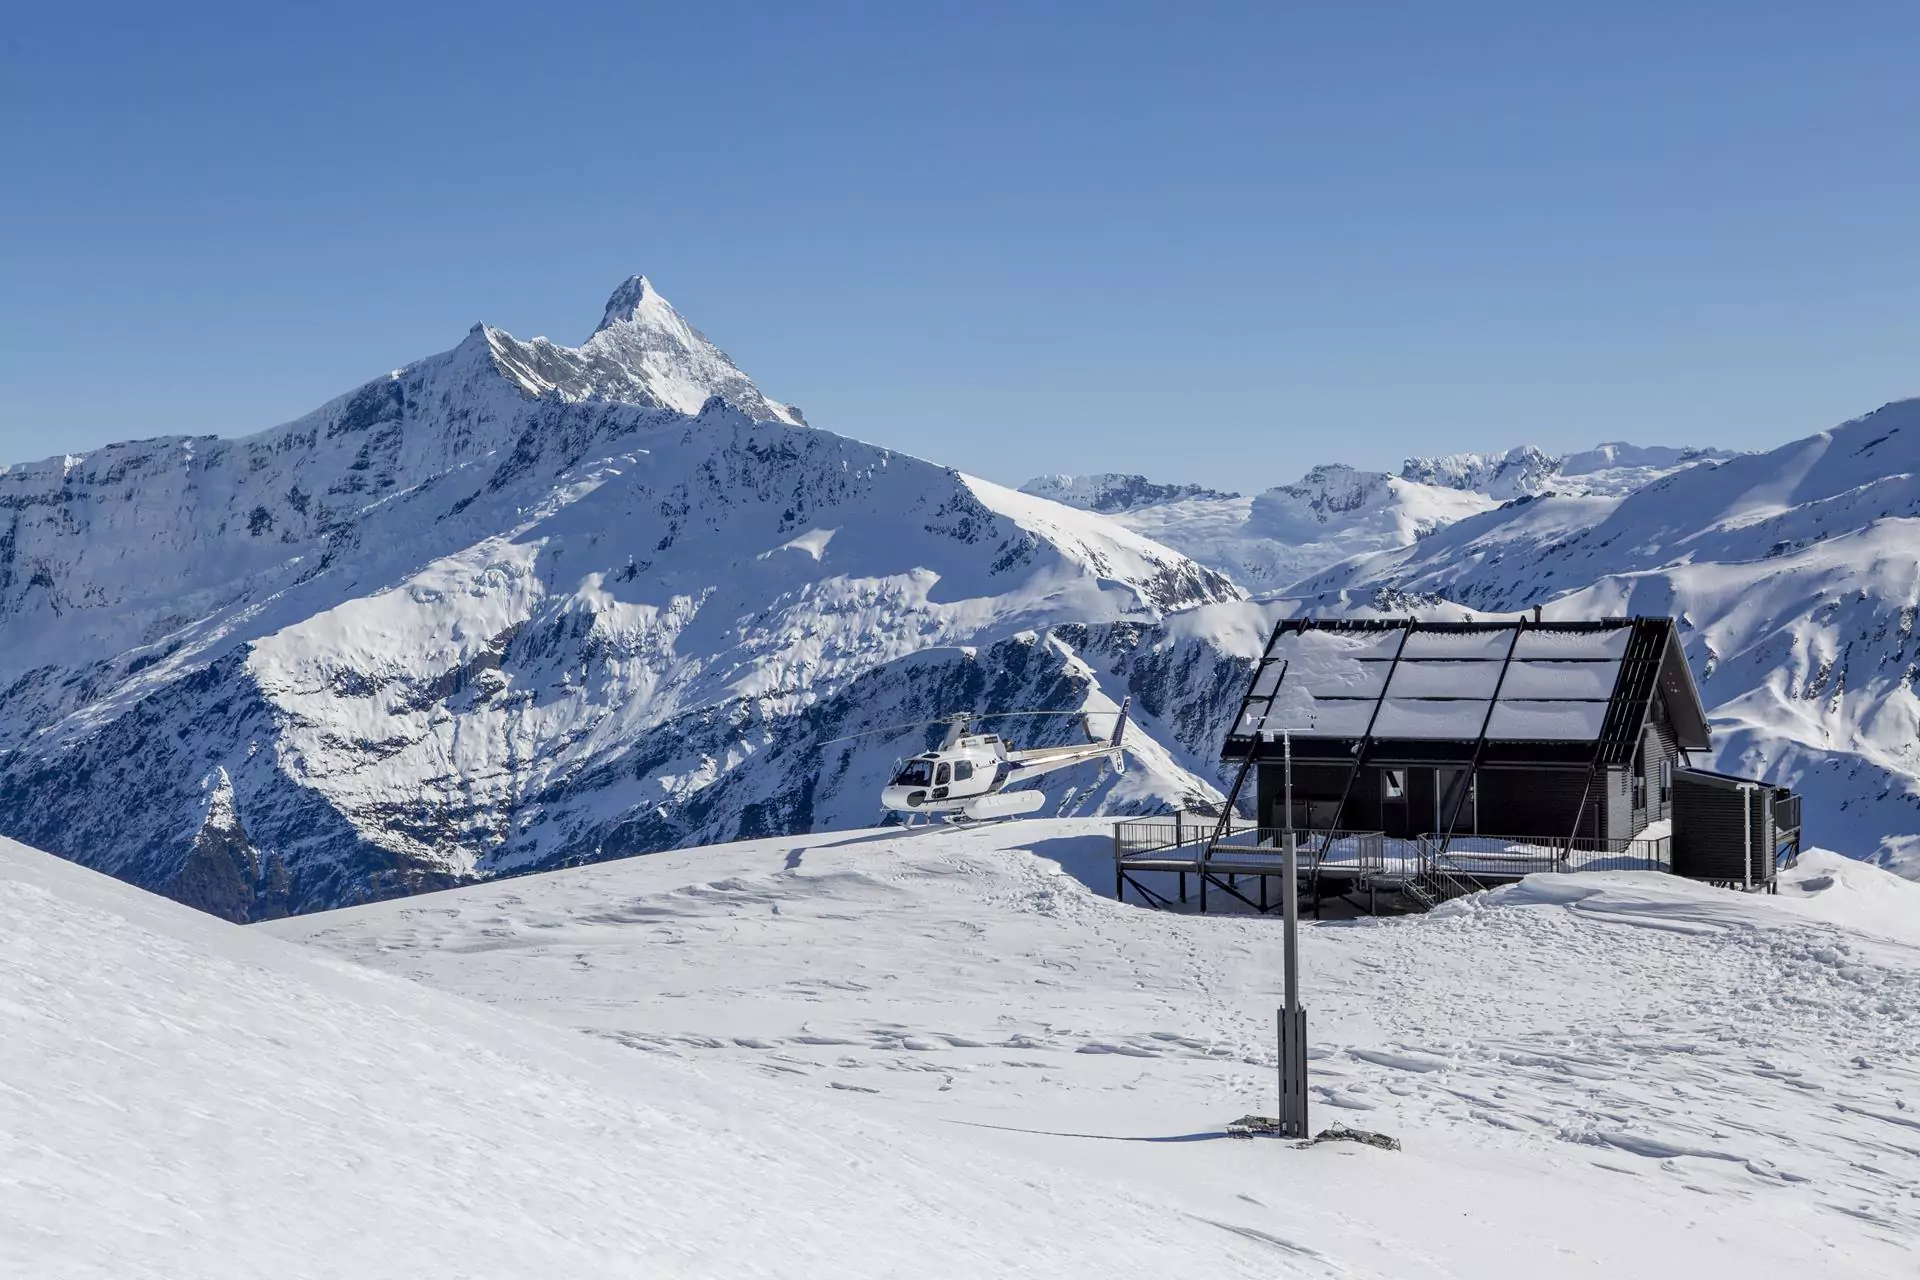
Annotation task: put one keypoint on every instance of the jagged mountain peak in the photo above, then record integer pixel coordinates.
(643, 352)
(1521, 470)
(636, 301)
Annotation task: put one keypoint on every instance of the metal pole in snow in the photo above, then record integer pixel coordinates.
(1293, 1018)
(1291, 888)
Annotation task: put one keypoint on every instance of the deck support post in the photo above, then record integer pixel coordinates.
(1746, 837)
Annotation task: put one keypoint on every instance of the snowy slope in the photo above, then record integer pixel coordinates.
(1796, 578)
(1610, 1074)
(1287, 532)
(517, 605)
(188, 1098)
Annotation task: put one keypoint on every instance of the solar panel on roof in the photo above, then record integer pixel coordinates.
(1547, 721)
(1560, 680)
(1360, 645)
(1299, 712)
(1441, 718)
(1444, 680)
(1325, 664)
(1557, 686)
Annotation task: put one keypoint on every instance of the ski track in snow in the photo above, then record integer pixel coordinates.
(1742, 1054)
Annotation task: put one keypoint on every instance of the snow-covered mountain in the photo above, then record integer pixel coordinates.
(1795, 575)
(522, 604)
(518, 604)
(1285, 533)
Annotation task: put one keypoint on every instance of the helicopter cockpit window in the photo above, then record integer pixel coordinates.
(916, 773)
(941, 775)
(962, 770)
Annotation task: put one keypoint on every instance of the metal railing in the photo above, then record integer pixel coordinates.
(1257, 846)
(1140, 837)
(1508, 856)
(1456, 866)
(1430, 868)
(1249, 845)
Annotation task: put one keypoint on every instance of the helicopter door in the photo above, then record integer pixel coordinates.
(942, 775)
(963, 774)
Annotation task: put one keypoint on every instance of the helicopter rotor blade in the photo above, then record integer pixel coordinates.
(891, 728)
(1002, 715)
(958, 716)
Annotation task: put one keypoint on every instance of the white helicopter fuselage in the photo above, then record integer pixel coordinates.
(969, 775)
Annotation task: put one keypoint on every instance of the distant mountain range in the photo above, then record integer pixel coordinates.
(522, 604)
(1276, 537)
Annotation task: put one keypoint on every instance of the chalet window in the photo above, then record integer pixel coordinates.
(1394, 784)
(962, 770)
(1666, 781)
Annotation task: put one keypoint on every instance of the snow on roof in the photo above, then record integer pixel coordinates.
(1407, 681)
(1486, 644)
(1538, 642)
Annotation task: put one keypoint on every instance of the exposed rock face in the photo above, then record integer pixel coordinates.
(1515, 473)
(1109, 491)
(223, 873)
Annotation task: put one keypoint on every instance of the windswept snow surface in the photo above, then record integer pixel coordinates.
(182, 1097)
(1601, 1074)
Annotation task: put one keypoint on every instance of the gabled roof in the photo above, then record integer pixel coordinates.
(1434, 690)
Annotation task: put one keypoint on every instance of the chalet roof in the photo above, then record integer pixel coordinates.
(1425, 690)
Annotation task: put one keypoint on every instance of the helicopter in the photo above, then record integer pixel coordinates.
(966, 778)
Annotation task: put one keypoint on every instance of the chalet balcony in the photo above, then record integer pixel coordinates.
(1413, 872)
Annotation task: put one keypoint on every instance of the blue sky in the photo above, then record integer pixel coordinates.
(1208, 242)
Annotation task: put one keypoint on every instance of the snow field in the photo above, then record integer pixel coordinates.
(182, 1097)
(1594, 1074)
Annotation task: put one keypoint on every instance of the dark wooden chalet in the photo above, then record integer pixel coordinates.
(1433, 759)
(1556, 730)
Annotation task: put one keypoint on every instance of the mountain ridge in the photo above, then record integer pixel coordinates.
(487, 613)
(1274, 538)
